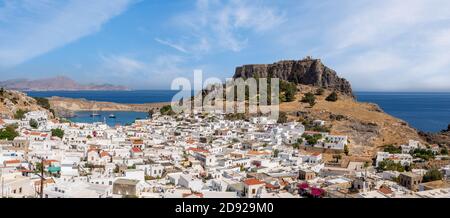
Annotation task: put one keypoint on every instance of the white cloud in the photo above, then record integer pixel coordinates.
(30, 28)
(122, 65)
(144, 74)
(171, 44)
(391, 45)
(222, 24)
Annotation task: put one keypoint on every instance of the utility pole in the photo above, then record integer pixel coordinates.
(42, 178)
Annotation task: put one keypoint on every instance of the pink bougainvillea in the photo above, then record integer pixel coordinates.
(303, 186)
(317, 192)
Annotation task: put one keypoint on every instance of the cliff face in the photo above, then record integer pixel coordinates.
(306, 72)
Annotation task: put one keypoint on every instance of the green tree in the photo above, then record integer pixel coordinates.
(390, 165)
(34, 124)
(432, 175)
(425, 154)
(444, 151)
(282, 117)
(309, 98)
(151, 112)
(392, 149)
(167, 110)
(346, 150)
(337, 157)
(20, 114)
(2, 91)
(58, 133)
(312, 139)
(288, 91)
(43, 102)
(332, 97)
(8, 133)
(276, 152)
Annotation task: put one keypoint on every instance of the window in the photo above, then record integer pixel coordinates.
(20, 190)
(253, 191)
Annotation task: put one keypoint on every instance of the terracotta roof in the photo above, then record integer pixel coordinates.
(253, 182)
(48, 162)
(137, 142)
(270, 186)
(136, 150)
(385, 190)
(11, 162)
(198, 150)
(104, 154)
(92, 149)
(316, 154)
(185, 195)
(257, 153)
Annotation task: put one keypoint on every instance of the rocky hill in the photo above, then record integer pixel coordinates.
(442, 138)
(367, 126)
(65, 107)
(307, 72)
(59, 83)
(12, 101)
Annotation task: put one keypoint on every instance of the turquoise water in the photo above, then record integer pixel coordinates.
(122, 117)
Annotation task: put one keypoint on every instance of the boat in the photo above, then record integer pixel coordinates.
(112, 116)
(95, 114)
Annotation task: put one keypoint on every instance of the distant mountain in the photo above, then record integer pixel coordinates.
(59, 83)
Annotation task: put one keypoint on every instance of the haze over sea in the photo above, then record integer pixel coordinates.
(424, 111)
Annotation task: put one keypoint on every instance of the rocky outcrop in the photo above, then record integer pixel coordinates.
(306, 72)
(11, 101)
(441, 138)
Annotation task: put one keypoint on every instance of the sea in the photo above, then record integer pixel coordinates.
(429, 112)
(425, 111)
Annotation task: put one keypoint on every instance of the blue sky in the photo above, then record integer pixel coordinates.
(389, 45)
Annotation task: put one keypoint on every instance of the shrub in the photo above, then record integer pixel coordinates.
(34, 124)
(320, 91)
(288, 90)
(390, 165)
(392, 149)
(312, 140)
(166, 110)
(8, 133)
(20, 114)
(282, 117)
(332, 97)
(432, 175)
(43, 102)
(444, 151)
(425, 154)
(58, 133)
(309, 98)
